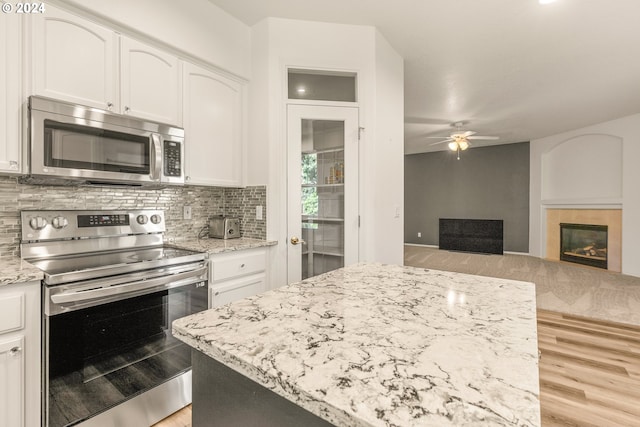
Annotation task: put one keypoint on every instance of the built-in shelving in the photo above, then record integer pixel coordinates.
(314, 219)
(323, 189)
(339, 185)
(325, 151)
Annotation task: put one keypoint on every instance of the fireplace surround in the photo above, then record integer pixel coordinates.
(612, 218)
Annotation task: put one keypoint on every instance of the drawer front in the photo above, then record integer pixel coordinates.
(237, 289)
(230, 266)
(11, 312)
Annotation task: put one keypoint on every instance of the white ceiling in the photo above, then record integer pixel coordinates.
(511, 68)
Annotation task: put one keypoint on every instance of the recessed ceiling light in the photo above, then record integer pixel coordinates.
(546, 1)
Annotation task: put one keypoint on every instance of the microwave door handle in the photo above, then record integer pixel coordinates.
(156, 156)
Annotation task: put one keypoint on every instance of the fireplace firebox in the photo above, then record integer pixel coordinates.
(584, 244)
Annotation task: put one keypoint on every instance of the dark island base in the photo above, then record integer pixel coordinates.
(222, 397)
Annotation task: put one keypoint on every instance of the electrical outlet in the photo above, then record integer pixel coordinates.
(186, 212)
(259, 212)
(419, 234)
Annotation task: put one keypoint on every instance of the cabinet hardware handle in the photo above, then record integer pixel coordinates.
(109, 105)
(13, 164)
(242, 265)
(126, 109)
(14, 351)
(216, 293)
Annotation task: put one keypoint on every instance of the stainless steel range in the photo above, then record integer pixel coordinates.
(111, 290)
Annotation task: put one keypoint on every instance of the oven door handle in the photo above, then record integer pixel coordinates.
(149, 285)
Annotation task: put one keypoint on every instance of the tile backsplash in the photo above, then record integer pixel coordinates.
(205, 202)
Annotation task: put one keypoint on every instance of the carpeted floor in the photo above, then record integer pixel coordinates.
(560, 286)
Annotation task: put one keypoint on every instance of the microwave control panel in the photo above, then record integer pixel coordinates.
(172, 158)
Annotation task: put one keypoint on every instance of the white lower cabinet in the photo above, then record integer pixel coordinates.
(12, 381)
(20, 355)
(237, 275)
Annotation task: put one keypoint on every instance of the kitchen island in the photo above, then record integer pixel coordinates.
(370, 345)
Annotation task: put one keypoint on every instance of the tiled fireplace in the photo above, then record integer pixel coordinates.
(591, 237)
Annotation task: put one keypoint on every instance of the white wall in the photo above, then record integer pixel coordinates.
(609, 153)
(197, 27)
(380, 88)
(384, 175)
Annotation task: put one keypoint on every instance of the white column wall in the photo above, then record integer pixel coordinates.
(380, 81)
(627, 129)
(385, 174)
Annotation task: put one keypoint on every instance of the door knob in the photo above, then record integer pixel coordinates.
(295, 241)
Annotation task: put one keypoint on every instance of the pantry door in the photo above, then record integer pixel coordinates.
(322, 194)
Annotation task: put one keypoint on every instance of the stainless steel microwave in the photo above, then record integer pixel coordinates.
(84, 144)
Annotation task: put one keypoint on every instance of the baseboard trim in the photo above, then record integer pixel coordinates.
(420, 245)
(436, 247)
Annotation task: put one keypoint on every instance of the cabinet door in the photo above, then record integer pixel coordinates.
(10, 95)
(150, 82)
(11, 381)
(74, 60)
(236, 289)
(213, 128)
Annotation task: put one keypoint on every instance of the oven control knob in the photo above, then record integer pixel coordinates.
(156, 219)
(37, 223)
(59, 222)
(142, 219)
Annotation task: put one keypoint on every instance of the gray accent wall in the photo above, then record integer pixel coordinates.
(486, 183)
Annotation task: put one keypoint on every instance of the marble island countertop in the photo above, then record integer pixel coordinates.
(381, 345)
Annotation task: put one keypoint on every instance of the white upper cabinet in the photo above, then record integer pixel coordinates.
(213, 123)
(10, 92)
(74, 60)
(150, 82)
(84, 63)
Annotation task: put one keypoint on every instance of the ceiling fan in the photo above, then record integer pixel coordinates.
(459, 140)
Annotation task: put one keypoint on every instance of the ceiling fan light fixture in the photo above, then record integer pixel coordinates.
(453, 146)
(463, 145)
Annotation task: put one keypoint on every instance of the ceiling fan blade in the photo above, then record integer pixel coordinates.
(468, 133)
(484, 137)
(442, 142)
(437, 137)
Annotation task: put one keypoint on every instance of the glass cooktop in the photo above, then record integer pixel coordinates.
(104, 263)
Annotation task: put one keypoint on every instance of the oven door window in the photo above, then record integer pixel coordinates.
(101, 356)
(73, 146)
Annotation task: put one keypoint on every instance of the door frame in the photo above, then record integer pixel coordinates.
(350, 115)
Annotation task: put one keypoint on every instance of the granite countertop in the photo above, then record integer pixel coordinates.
(214, 246)
(15, 270)
(381, 345)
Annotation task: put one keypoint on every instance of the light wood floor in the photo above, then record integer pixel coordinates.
(589, 374)
(182, 418)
